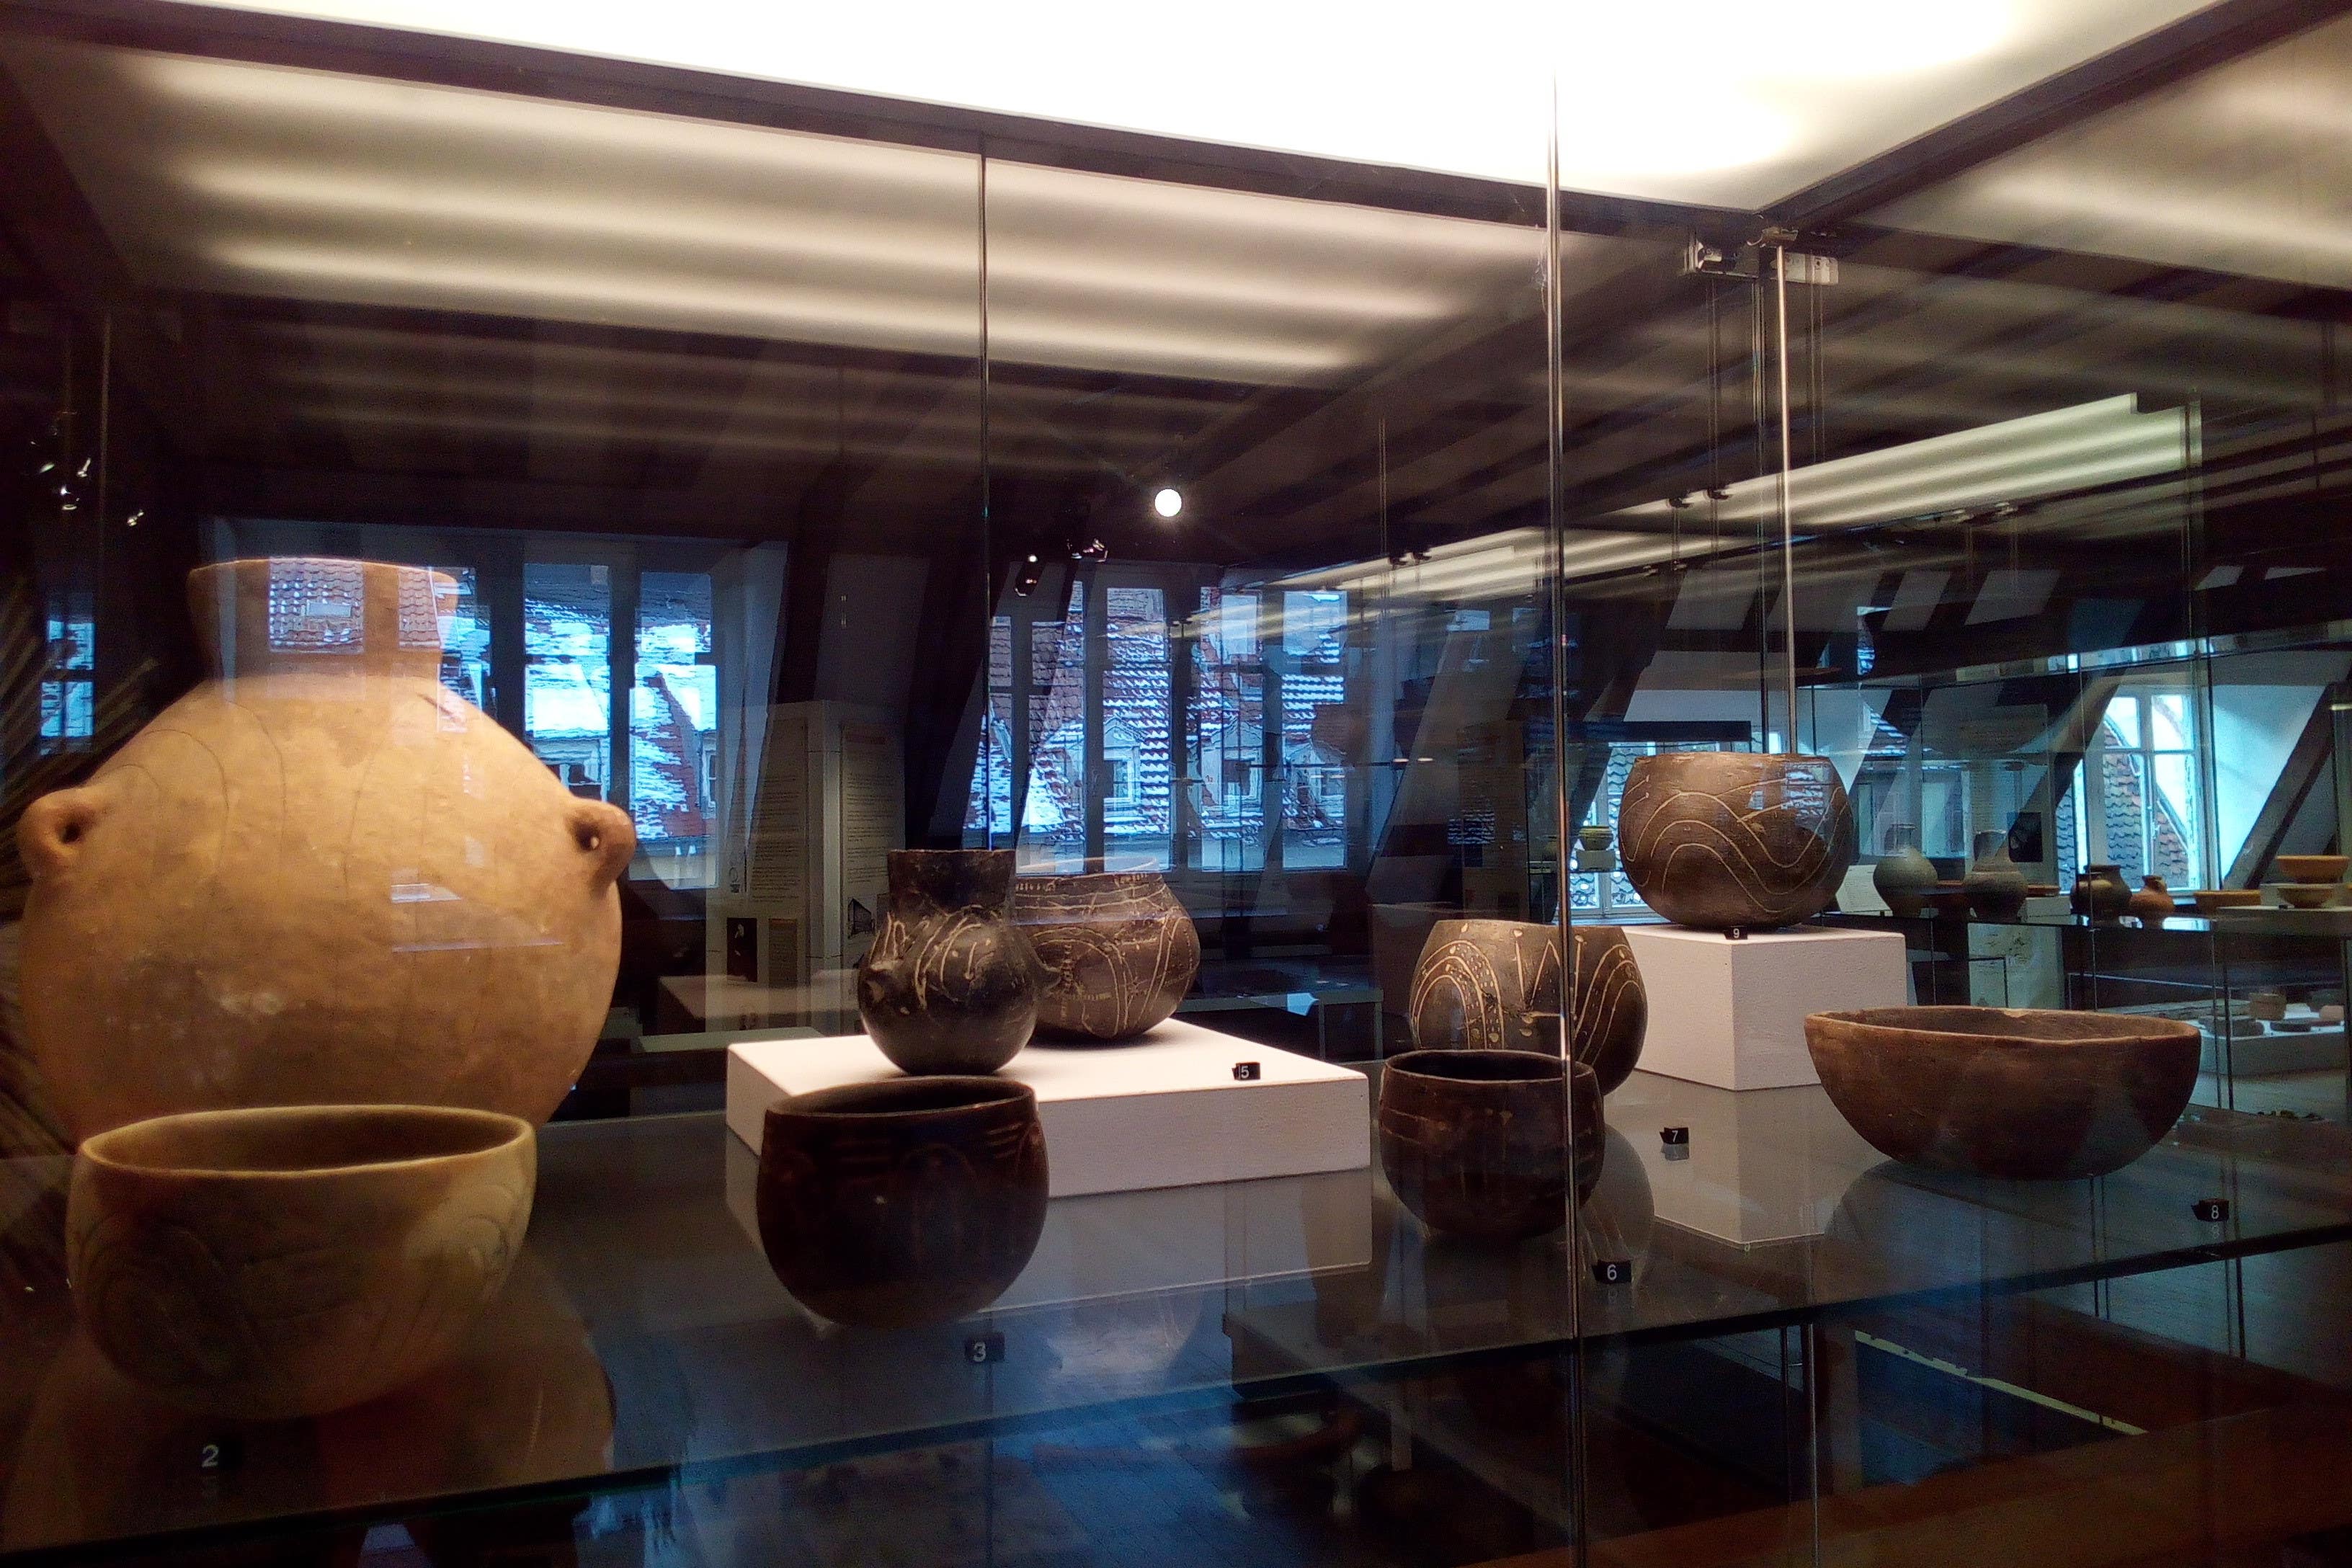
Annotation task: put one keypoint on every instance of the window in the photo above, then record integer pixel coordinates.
(67, 696)
(2143, 812)
(568, 673)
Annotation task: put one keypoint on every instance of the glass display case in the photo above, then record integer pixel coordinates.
(765, 813)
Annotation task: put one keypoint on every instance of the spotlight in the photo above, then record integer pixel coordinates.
(1026, 580)
(1089, 549)
(1168, 501)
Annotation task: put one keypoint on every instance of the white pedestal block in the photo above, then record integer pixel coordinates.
(1763, 1167)
(1731, 1013)
(1166, 1111)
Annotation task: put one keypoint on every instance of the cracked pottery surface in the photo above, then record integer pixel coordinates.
(319, 878)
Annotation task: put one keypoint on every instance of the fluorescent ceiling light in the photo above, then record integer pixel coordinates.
(2235, 170)
(1706, 101)
(261, 180)
(2015, 461)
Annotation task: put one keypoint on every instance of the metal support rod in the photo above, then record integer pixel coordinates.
(1788, 535)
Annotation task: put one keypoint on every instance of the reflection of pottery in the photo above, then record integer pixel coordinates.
(295, 1260)
(319, 878)
(1725, 839)
(949, 985)
(1994, 887)
(909, 1201)
(2308, 895)
(1905, 877)
(522, 1399)
(1118, 950)
(2269, 1007)
(2153, 904)
(2312, 867)
(1495, 985)
(2026, 1094)
(1476, 1142)
(1593, 849)
(2099, 893)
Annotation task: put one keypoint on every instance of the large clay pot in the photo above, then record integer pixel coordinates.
(1726, 841)
(949, 985)
(1118, 950)
(1495, 985)
(1476, 1142)
(2100, 893)
(908, 1201)
(1994, 887)
(294, 1259)
(1905, 878)
(319, 878)
(2027, 1094)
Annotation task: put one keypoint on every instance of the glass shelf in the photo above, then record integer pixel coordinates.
(643, 1333)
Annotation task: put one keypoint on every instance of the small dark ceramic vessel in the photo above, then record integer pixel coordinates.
(909, 1201)
(949, 985)
(1476, 1142)
(1720, 840)
(1995, 887)
(2026, 1094)
(2100, 893)
(1117, 949)
(1495, 985)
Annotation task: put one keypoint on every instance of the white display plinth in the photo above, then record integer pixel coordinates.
(1730, 1013)
(1165, 1111)
(1763, 1167)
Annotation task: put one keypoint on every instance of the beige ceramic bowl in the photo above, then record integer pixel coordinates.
(294, 1260)
(2312, 867)
(2308, 895)
(2212, 901)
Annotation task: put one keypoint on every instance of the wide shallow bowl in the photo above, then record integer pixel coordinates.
(2312, 867)
(295, 1260)
(1476, 1142)
(2212, 901)
(2029, 1094)
(911, 1201)
(2308, 895)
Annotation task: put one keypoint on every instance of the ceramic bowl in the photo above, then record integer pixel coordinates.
(2027, 1094)
(296, 1259)
(2308, 895)
(2212, 901)
(1476, 1142)
(2312, 867)
(911, 1201)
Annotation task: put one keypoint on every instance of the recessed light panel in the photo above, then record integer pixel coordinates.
(1724, 101)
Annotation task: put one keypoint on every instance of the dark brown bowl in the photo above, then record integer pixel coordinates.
(2027, 1094)
(1476, 1142)
(915, 1200)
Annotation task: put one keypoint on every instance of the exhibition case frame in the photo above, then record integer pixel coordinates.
(1330, 743)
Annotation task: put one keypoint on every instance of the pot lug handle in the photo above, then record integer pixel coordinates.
(604, 833)
(51, 834)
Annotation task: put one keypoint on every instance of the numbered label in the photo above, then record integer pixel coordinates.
(1674, 1137)
(1614, 1271)
(2212, 1211)
(1737, 933)
(984, 1349)
(217, 1456)
(1245, 1072)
